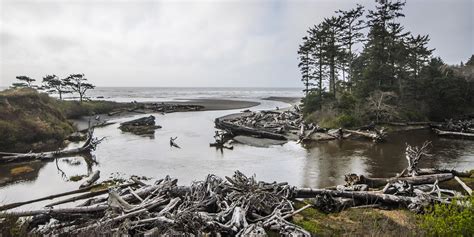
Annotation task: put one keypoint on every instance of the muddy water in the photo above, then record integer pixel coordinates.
(318, 165)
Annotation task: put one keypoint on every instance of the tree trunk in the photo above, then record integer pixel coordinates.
(422, 179)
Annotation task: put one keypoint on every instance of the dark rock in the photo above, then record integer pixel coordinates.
(141, 126)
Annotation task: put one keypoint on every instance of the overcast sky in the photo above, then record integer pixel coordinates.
(192, 43)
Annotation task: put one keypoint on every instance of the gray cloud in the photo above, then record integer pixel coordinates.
(191, 43)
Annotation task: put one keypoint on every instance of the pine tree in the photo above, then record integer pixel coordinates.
(305, 64)
(53, 84)
(351, 34)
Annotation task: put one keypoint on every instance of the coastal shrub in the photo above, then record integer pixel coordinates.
(311, 103)
(339, 121)
(450, 219)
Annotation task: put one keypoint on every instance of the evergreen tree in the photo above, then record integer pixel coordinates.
(383, 39)
(470, 62)
(351, 34)
(304, 65)
(332, 48)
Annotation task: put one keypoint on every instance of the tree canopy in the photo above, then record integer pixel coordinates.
(363, 54)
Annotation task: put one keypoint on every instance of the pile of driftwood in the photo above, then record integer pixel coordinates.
(140, 126)
(311, 132)
(456, 129)
(289, 124)
(237, 205)
(263, 124)
(144, 108)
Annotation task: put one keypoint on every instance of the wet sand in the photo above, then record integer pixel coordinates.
(219, 104)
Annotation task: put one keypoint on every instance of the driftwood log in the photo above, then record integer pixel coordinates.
(379, 182)
(463, 135)
(89, 145)
(92, 178)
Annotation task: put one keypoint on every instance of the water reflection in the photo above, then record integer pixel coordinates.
(317, 165)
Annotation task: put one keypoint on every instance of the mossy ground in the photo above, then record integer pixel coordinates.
(358, 222)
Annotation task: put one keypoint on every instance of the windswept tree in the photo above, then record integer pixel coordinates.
(25, 81)
(78, 83)
(54, 84)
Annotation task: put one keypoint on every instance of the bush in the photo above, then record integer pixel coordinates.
(346, 103)
(339, 121)
(450, 219)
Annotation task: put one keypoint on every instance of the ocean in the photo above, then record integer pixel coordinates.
(142, 94)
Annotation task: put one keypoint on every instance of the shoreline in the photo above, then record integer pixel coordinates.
(208, 105)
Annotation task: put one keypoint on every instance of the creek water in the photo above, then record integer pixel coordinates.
(316, 165)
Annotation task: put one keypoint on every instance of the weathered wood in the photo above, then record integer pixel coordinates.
(87, 195)
(368, 196)
(422, 179)
(375, 136)
(92, 178)
(17, 204)
(425, 171)
(51, 211)
(243, 130)
(467, 188)
(454, 134)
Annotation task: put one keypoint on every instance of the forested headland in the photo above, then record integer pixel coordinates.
(361, 66)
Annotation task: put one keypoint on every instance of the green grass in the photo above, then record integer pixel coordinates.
(450, 219)
(358, 222)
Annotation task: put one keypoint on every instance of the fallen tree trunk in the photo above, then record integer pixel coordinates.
(87, 195)
(454, 134)
(88, 182)
(379, 182)
(375, 136)
(71, 210)
(17, 204)
(467, 188)
(364, 196)
(425, 171)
